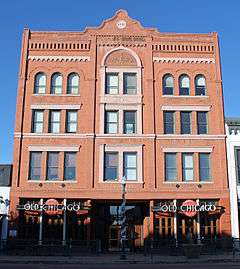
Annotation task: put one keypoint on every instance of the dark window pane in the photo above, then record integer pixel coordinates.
(168, 84)
(168, 122)
(70, 166)
(110, 166)
(52, 165)
(170, 167)
(184, 85)
(35, 165)
(129, 122)
(202, 122)
(204, 166)
(200, 85)
(185, 122)
(130, 83)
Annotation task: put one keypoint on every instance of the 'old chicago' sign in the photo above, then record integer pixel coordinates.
(188, 208)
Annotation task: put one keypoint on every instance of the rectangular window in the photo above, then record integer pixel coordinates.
(111, 122)
(70, 166)
(129, 122)
(170, 166)
(130, 83)
(35, 165)
(238, 165)
(54, 124)
(204, 167)
(52, 165)
(37, 121)
(130, 165)
(111, 83)
(110, 166)
(169, 127)
(185, 122)
(187, 166)
(202, 122)
(71, 124)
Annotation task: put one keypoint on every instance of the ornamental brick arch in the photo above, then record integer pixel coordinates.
(121, 56)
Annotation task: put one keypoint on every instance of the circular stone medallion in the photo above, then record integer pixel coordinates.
(121, 24)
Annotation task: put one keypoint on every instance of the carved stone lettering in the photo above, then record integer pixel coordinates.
(120, 58)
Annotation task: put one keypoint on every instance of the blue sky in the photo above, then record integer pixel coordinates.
(74, 15)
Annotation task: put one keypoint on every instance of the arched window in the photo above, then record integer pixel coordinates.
(200, 85)
(40, 83)
(184, 85)
(56, 83)
(168, 84)
(73, 83)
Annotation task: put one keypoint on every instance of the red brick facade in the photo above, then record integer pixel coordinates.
(121, 43)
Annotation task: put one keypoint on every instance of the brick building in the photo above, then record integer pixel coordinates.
(115, 101)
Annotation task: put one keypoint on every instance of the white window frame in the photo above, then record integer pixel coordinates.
(121, 149)
(121, 109)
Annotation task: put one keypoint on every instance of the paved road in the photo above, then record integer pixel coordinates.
(123, 266)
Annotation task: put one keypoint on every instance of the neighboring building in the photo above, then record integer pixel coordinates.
(112, 101)
(5, 183)
(233, 156)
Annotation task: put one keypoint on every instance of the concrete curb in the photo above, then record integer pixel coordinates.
(70, 260)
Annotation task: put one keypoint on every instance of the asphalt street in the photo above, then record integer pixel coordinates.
(122, 266)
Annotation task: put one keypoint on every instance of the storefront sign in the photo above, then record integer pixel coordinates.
(188, 208)
(53, 207)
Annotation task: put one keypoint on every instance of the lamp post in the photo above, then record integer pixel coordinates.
(123, 229)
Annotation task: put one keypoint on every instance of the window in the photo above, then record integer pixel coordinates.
(73, 84)
(40, 83)
(202, 122)
(110, 166)
(70, 166)
(54, 126)
(52, 165)
(130, 165)
(204, 166)
(111, 122)
(168, 84)
(187, 166)
(170, 167)
(169, 127)
(130, 83)
(200, 85)
(184, 85)
(111, 83)
(71, 124)
(238, 165)
(35, 165)
(37, 123)
(56, 83)
(129, 122)
(185, 122)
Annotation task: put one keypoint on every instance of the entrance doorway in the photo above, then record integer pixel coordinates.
(107, 225)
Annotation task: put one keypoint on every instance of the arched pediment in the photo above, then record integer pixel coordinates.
(121, 57)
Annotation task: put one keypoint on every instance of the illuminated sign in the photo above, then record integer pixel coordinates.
(52, 207)
(188, 208)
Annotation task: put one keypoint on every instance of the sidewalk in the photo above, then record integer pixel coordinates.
(115, 259)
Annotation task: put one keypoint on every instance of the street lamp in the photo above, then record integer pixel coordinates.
(123, 229)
